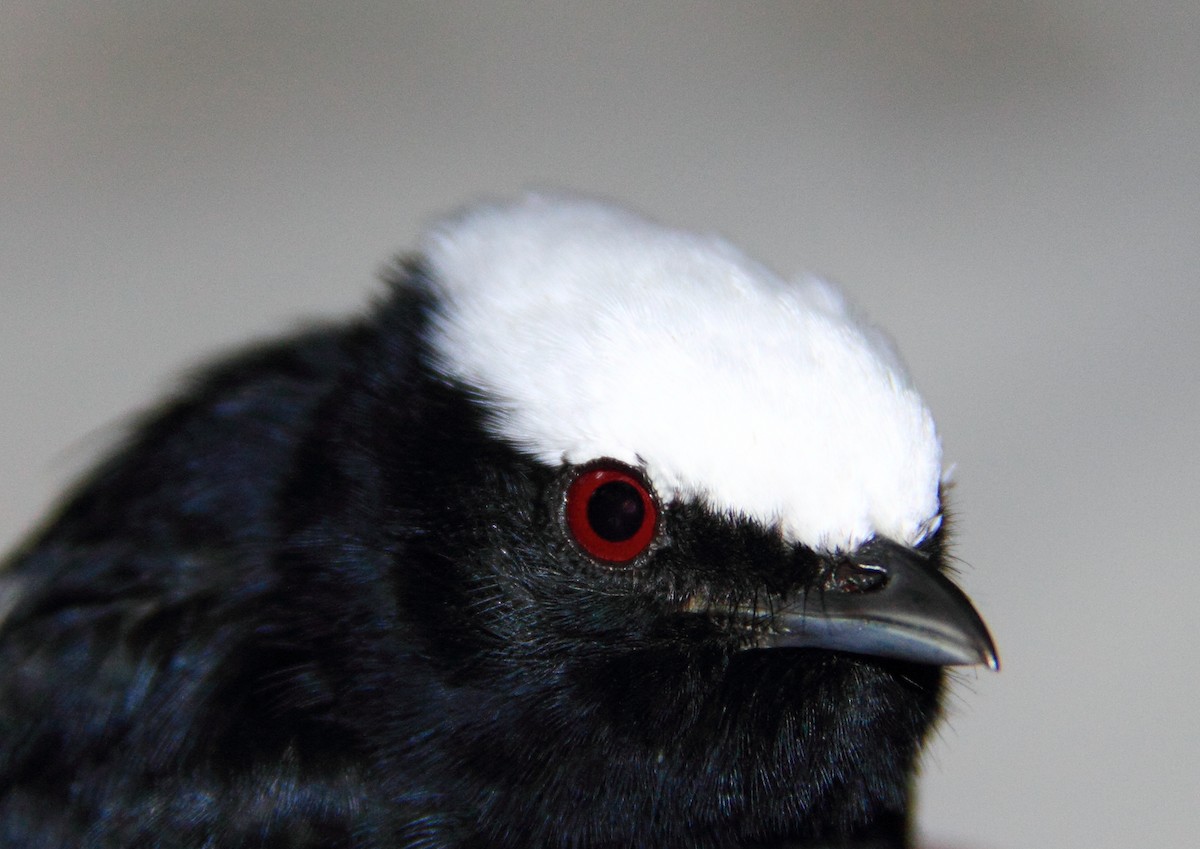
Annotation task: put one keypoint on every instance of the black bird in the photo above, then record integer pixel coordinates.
(591, 533)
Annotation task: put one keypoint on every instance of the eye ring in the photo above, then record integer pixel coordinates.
(610, 512)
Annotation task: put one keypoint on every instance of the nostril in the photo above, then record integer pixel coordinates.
(847, 577)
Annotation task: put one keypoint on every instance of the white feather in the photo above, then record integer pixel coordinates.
(596, 333)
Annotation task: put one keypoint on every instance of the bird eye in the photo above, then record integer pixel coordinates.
(611, 513)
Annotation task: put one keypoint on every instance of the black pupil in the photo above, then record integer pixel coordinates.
(615, 511)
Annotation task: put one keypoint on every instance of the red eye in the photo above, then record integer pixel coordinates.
(611, 514)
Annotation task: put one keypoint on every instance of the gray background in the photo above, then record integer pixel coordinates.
(1013, 189)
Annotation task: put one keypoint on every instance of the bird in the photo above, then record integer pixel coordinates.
(588, 532)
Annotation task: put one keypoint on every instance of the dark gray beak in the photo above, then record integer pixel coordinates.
(885, 600)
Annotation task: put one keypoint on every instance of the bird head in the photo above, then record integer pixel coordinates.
(750, 444)
(662, 536)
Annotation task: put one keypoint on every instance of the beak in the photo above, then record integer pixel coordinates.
(885, 600)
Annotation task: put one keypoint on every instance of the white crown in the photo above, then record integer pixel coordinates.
(595, 333)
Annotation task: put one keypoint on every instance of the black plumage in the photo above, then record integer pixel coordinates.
(315, 602)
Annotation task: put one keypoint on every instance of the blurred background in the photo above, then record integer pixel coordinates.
(1011, 188)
